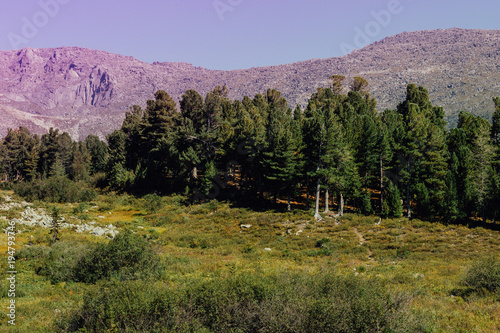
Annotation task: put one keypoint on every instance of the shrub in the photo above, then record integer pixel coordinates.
(34, 252)
(57, 262)
(484, 275)
(55, 189)
(132, 306)
(403, 252)
(81, 208)
(99, 180)
(126, 257)
(321, 243)
(152, 203)
(246, 303)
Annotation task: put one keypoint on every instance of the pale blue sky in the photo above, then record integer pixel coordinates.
(229, 34)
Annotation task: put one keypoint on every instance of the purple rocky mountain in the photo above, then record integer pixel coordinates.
(85, 91)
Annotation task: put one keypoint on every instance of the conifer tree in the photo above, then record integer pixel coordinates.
(216, 105)
(131, 126)
(49, 149)
(482, 172)
(208, 184)
(329, 158)
(471, 143)
(98, 151)
(81, 164)
(20, 154)
(422, 154)
(251, 139)
(460, 165)
(367, 151)
(65, 152)
(452, 211)
(158, 137)
(190, 144)
(394, 207)
(359, 84)
(336, 84)
(279, 163)
(116, 173)
(385, 155)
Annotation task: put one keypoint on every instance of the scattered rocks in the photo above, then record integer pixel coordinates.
(9, 205)
(267, 249)
(38, 217)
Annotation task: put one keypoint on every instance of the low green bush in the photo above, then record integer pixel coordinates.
(484, 275)
(126, 257)
(57, 262)
(152, 203)
(62, 261)
(246, 303)
(132, 306)
(81, 208)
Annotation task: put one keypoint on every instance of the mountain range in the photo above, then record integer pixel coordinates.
(83, 91)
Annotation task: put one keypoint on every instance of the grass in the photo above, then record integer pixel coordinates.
(205, 242)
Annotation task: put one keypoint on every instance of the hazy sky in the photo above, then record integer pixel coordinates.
(230, 34)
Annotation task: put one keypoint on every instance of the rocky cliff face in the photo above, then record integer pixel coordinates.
(84, 91)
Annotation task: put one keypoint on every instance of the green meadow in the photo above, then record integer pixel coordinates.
(215, 267)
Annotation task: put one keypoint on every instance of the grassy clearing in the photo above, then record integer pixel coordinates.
(197, 244)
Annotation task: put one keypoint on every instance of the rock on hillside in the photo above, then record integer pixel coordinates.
(84, 91)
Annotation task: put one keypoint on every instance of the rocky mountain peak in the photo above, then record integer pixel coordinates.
(86, 91)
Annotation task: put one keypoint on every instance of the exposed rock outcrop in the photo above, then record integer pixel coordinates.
(85, 91)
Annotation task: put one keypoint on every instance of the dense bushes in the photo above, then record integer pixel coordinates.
(246, 303)
(57, 262)
(55, 189)
(484, 275)
(127, 257)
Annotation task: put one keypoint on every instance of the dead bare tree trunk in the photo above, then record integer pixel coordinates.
(327, 209)
(341, 205)
(289, 206)
(316, 207)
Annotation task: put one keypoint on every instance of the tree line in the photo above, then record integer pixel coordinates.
(338, 150)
